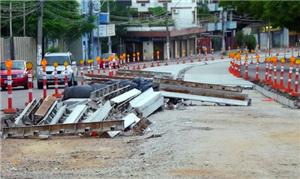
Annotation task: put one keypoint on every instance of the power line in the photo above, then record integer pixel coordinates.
(21, 15)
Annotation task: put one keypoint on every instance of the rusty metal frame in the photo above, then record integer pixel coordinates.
(61, 129)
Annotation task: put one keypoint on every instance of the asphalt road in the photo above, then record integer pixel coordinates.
(20, 95)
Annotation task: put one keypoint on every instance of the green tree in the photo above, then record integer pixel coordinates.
(61, 19)
(277, 13)
(239, 38)
(250, 42)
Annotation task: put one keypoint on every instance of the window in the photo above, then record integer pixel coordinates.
(194, 17)
(143, 4)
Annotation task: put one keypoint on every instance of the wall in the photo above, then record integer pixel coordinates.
(1, 49)
(148, 49)
(24, 48)
(183, 17)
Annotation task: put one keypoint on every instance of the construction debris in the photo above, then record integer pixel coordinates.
(219, 101)
(62, 129)
(144, 74)
(147, 102)
(116, 106)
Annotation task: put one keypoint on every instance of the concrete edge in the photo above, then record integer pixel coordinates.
(278, 98)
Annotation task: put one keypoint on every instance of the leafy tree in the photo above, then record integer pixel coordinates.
(250, 42)
(61, 19)
(277, 13)
(239, 38)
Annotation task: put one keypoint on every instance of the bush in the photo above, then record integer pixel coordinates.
(239, 38)
(250, 42)
(53, 49)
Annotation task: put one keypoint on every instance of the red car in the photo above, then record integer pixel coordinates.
(19, 74)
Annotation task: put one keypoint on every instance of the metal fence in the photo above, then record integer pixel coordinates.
(24, 48)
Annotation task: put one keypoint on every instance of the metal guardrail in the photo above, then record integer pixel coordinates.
(98, 94)
(145, 74)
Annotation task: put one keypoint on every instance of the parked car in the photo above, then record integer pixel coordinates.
(19, 74)
(105, 60)
(60, 58)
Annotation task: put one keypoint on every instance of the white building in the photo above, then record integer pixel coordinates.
(148, 39)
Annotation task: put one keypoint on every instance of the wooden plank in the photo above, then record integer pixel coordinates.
(203, 92)
(197, 85)
(45, 106)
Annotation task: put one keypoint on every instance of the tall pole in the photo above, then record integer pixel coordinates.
(223, 31)
(0, 21)
(91, 33)
(12, 50)
(168, 37)
(24, 19)
(98, 40)
(40, 33)
(269, 38)
(109, 38)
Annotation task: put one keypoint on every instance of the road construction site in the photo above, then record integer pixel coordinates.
(191, 120)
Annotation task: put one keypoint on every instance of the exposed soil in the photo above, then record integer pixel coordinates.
(259, 141)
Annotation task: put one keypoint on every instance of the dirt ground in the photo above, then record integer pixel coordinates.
(260, 141)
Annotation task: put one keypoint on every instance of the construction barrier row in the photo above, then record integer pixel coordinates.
(272, 75)
(111, 62)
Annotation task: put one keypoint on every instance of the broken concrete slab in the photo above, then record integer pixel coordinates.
(29, 106)
(125, 96)
(130, 119)
(76, 114)
(147, 102)
(59, 114)
(100, 114)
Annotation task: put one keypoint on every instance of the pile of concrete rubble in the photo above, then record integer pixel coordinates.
(111, 106)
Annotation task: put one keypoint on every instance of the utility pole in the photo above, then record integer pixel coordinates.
(109, 37)
(90, 43)
(40, 33)
(0, 20)
(24, 19)
(98, 40)
(168, 37)
(223, 31)
(98, 22)
(12, 50)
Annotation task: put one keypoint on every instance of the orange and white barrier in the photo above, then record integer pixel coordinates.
(257, 68)
(9, 109)
(30, 86)
(275, 85)
(29, 83)
(44, 63)
(81, 71)
(56, 93)
(66, 74)
(282, 62)
(110, 72)
(295, 92)
(246, 68)
(266, 70)
(292, 60)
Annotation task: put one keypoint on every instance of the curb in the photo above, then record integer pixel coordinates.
(294, 104)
